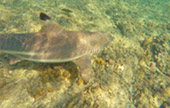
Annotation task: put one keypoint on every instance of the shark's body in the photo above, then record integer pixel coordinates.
(53, 44)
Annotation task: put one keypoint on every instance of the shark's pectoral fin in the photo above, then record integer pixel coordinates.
(84, 64)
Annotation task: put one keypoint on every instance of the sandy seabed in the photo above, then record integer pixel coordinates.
(133, 71)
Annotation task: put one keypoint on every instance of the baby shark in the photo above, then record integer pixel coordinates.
(53, 44)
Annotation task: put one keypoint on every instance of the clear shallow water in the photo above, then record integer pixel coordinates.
(133, 71)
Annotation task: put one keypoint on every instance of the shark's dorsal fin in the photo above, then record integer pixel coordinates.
(44, 17)
(49, 26)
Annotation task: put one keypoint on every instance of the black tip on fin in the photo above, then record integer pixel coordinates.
(44, 17)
